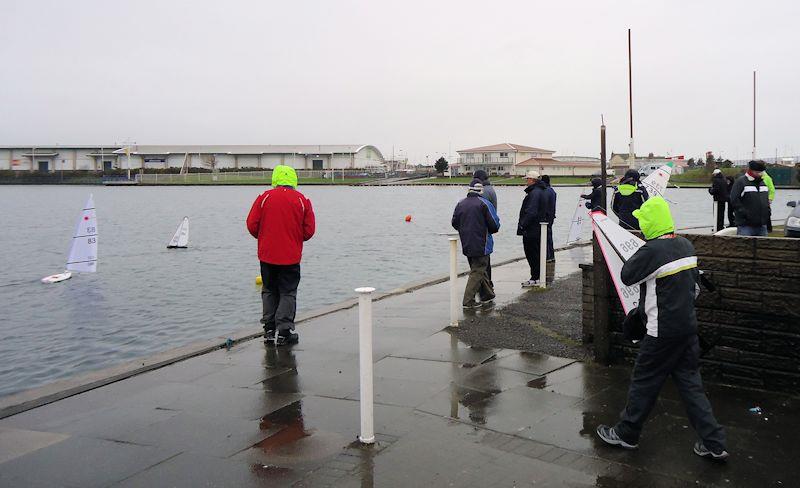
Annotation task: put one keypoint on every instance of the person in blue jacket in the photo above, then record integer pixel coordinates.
(475, 219)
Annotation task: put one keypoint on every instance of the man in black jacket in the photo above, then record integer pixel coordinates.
(595, 197)
(476, 220)
(628, 196)
(665, 269)
(719, 190)
(532, 213)
(750, 201)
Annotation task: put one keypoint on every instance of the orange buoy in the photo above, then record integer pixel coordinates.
(408, 218)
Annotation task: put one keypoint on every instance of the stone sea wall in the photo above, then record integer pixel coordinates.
(752, 318)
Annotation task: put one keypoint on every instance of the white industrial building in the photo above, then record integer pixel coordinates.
(106, 158)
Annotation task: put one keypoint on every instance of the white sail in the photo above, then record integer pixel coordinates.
(181, 237)
(617, 246)
(576, 226)
(83, 252)
(656, 182)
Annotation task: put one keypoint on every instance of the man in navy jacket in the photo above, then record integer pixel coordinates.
(550, 217)
(475, 219)
(532, 213)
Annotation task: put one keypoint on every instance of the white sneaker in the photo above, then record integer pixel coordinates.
(530, 283)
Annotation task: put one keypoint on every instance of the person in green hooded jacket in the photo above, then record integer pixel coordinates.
(628, 197)
(770, 195)
(665, 268)
(282, 219)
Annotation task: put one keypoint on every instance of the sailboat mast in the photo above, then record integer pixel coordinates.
(631, 150)
(754, 114)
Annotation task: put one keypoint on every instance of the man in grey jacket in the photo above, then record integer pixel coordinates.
(488, 189)
(488, 193)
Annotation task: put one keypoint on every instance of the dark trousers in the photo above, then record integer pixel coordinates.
(279, 296)
(658, 358)
(551, 253)
(531, 242)
(731, 217)
(720, 216)
(478, 281)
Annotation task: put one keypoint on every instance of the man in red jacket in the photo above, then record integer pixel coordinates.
(281, 219)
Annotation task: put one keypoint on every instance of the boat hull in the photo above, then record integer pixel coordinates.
(57, 278)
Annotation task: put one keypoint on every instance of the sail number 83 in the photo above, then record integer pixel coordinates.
(91, 240)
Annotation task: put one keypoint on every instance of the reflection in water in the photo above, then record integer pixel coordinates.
(475, 401)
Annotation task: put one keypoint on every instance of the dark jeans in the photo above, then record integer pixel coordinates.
(478, 281)
(551, 253)
(279, 296)
(750, 230)
(720, 216)
(658, 358)
(531, 242)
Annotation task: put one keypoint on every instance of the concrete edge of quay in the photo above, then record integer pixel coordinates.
(58, 390)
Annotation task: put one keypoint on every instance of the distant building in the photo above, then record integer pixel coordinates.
(561, 166)
(621, 162)
(516, 159)
(106, 158)
(397, 164)
(499, 159)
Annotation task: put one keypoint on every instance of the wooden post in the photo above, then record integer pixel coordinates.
(602, 334)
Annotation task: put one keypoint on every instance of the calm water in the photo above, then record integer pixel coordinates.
(145, 298)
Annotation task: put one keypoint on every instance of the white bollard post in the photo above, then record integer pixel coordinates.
(453, 282)
(543, 256)
(365, 363)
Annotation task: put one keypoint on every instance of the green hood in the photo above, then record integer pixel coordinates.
(654, 218)
(284, 176)
(626, 189)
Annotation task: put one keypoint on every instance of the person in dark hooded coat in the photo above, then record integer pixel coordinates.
(594, 199)
(628, 196)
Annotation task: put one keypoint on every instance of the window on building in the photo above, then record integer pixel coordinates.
(503, 155)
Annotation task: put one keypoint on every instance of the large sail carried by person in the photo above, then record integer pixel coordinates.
(617, 246)
(83, 250)
(656, 182)
(181, 238)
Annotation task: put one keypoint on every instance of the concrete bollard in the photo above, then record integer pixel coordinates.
(365, 364)
(543, 256)
(453, 282)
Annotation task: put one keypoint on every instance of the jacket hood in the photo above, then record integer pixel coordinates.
(481, 175)
(626, 189)
(654, 218)
(632, 174)
(538, 183)
(284, 176)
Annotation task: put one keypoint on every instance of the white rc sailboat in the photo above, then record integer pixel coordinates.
(83, 251)
(181, 238)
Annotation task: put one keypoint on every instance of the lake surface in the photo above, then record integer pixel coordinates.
(145, 298)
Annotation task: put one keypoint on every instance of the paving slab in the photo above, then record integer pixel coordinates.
(82, 462)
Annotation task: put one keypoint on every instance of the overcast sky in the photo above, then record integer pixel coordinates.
(426, 77)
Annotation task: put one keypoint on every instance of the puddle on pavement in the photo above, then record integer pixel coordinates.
(269, 471)
(294, 442)
(539, 383)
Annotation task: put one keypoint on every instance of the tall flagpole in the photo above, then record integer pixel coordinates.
(631, 151)
(754, 114)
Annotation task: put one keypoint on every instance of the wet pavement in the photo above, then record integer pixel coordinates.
(446, 414)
